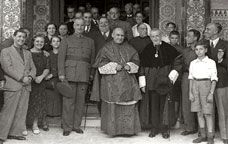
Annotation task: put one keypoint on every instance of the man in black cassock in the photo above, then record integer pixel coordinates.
(156, 77)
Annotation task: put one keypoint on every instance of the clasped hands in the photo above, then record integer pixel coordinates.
(121, 67)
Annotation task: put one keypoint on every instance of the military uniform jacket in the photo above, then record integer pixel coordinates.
(76, 55)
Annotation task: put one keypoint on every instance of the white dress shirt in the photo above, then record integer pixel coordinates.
(203, 69)
(215, 41)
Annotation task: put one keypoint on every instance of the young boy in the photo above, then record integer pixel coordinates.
(174, 38)
(203, 78)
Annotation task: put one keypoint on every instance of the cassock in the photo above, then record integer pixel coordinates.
(119, 91)
(156, 64)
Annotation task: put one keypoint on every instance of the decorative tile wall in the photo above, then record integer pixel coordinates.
(196, 15)
(219, 13)
(167, 12)
(41, 16)
(10, 17)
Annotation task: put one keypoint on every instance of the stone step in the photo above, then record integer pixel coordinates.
(91, 122)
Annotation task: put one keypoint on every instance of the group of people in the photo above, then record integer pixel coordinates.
(142, 79)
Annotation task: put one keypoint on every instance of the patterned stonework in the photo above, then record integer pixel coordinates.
(10, 17)
(219, 13)
(167, 13)
(42, 16)
(196, 15)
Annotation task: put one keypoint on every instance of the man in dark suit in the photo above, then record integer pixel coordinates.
(104, 34)
(95, 16)
(212, 33)
(114, 14)
(70, 19)
(90, 29)
(129, 11)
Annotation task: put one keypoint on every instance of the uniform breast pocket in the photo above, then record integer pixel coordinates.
(70, 70)
(71, 50)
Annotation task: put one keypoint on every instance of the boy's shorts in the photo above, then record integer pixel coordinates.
(200, 90)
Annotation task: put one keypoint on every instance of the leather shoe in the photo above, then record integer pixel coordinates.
(66, 133)
(16, 137)
(78, 130)
(199, 140)
(165, 135)
(1, 141)
(45, 128)
(184, 133)
(153, 133)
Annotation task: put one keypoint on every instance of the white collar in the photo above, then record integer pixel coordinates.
(205, 59)
(215, 41)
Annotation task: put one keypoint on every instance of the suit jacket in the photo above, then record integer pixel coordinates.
(100, 40)
(223, 66)
(92, 32)
(15, 68)
(76, 55)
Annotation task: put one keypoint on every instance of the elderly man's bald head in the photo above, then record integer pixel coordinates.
(118, 35)
(156, 36)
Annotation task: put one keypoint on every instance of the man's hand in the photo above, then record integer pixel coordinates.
(47, 54)
(49, 76)
(210, 98)
(127, 67)
(119, 67)
(220, 55)
(26, 80)
(39, 79)
(191, 97)
(62, 78)
(2, 84)
(143, 89)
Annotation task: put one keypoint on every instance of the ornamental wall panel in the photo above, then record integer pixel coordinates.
(167, 13)
(10, 17)
(219, 13)
(41, 16)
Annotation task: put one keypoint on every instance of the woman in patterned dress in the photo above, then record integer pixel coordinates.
(37, 109)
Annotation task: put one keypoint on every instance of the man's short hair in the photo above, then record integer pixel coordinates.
(174, 32)
(171, 23)
(21, 30)
(219, 27)
(117, 9)
(196, 33)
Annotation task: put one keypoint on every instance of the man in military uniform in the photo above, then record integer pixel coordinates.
(76, 55)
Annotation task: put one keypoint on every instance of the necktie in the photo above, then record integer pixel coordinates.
(104, 35)
(212, 45)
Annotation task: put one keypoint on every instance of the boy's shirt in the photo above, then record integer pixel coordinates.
(201, 69)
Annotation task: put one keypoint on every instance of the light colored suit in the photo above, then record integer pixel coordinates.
(13, 115)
